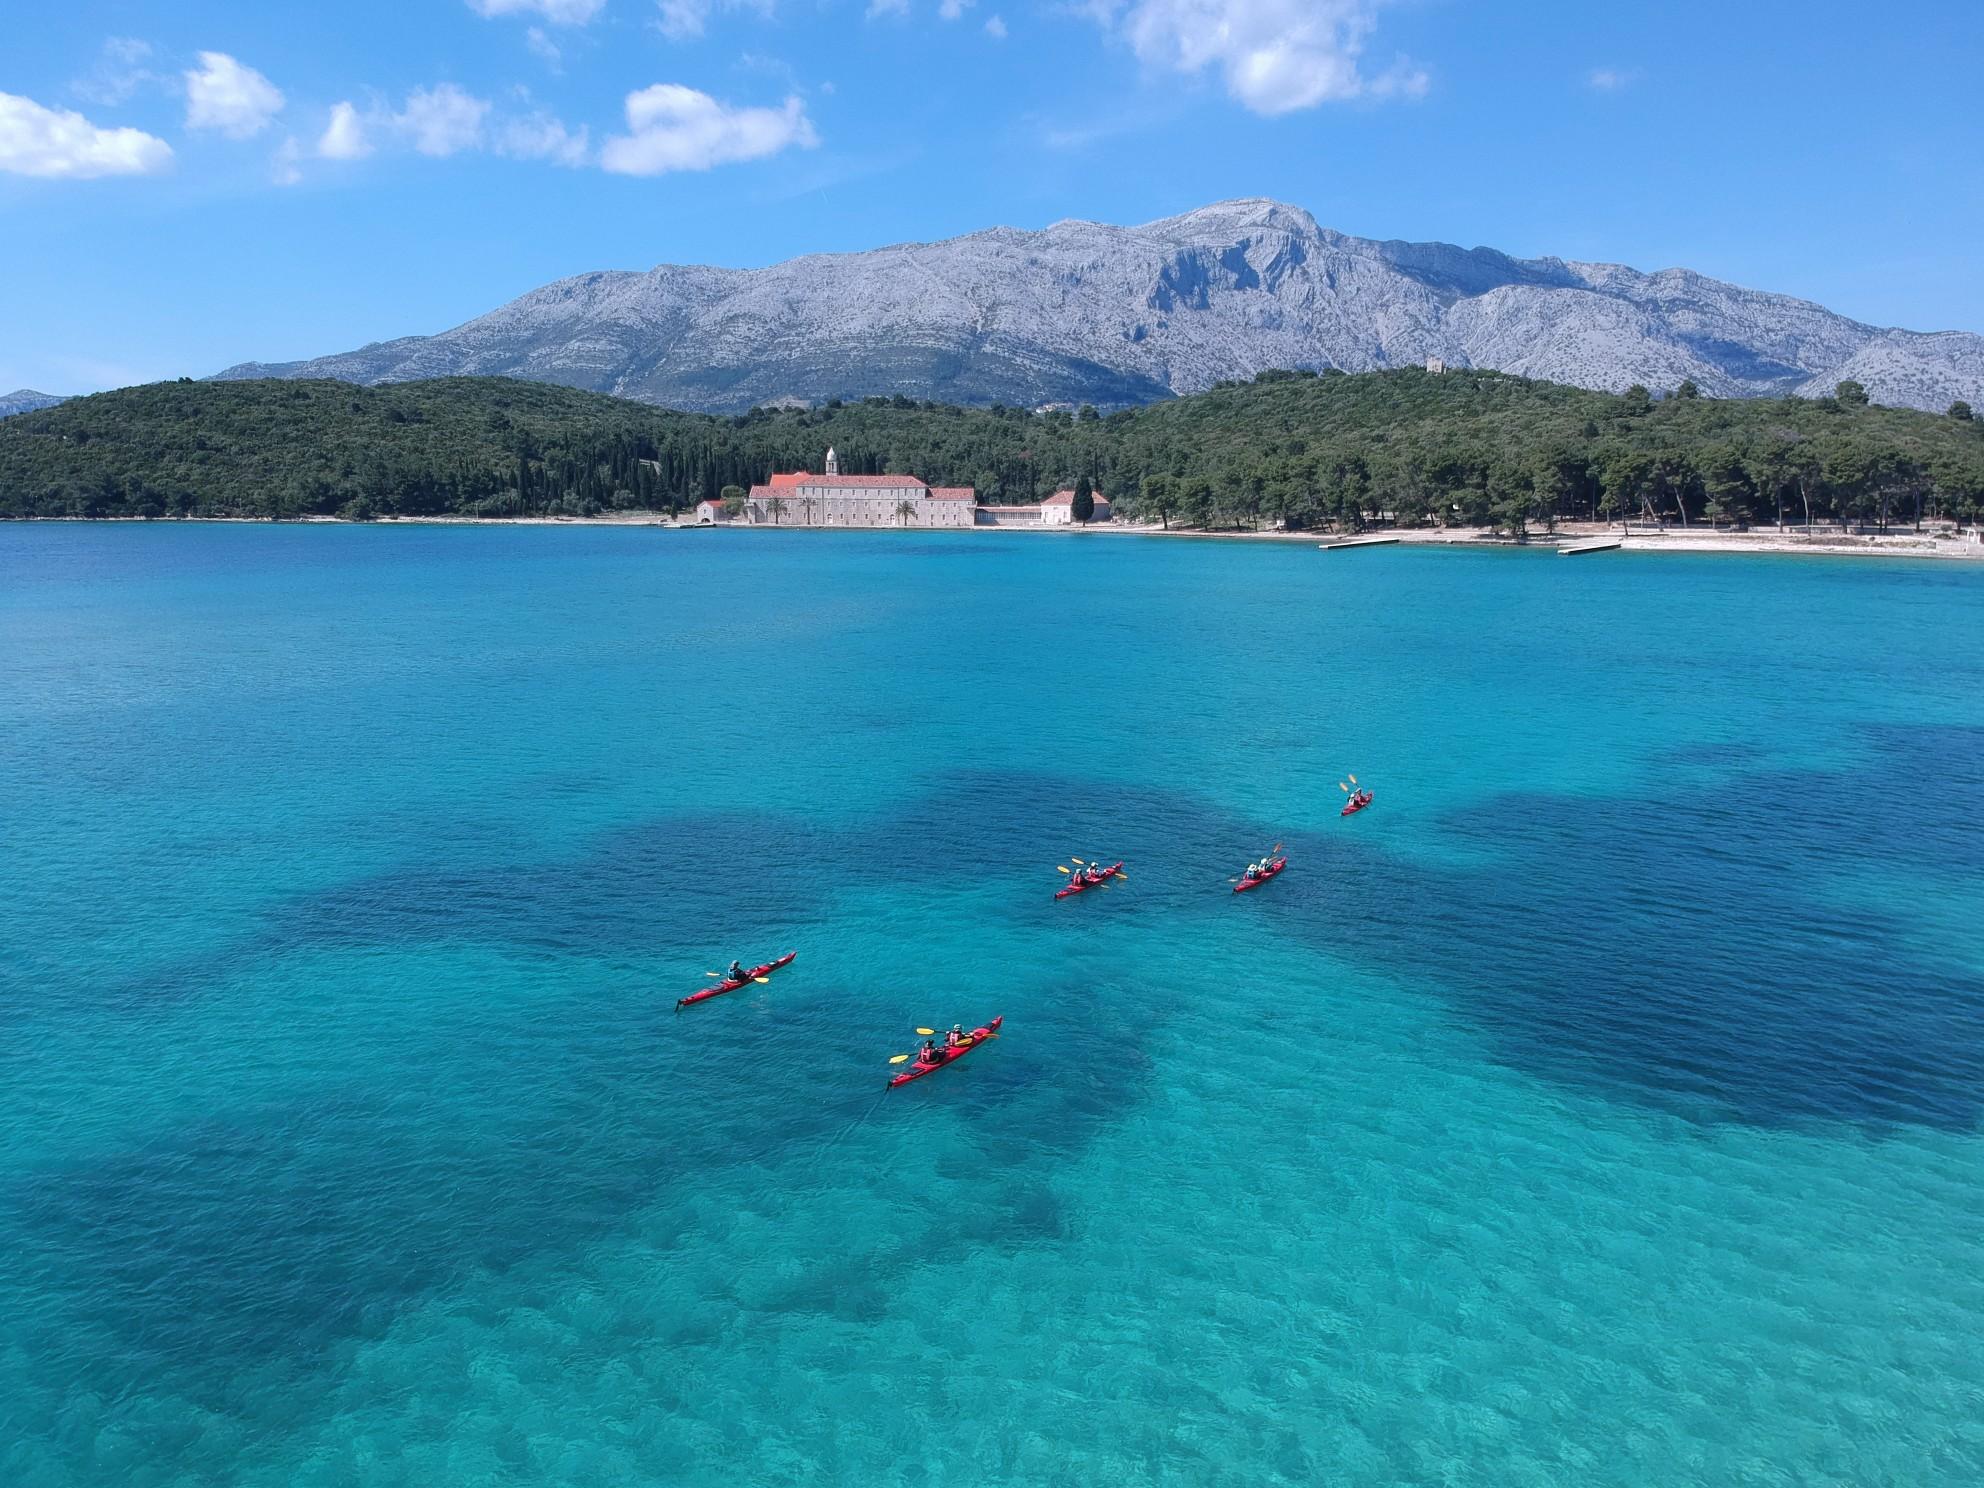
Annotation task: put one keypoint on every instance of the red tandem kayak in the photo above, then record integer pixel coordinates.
(1254, 883)
(1101, 878)
(944, 1056)
(1356, 804)
(729, 985)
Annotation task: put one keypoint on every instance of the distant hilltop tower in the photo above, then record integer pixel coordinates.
(1434, 364)
(833, 461)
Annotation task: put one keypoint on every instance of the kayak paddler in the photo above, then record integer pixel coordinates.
(955, 1036)
(736, 973)
(928, 1054)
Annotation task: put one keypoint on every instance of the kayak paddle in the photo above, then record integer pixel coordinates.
(927, 1032)
(1073, 859)
(766, 980)
(897, 1058)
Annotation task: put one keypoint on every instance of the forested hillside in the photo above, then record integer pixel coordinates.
(1405, 446)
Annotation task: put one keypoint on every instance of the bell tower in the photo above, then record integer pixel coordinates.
(833, 461)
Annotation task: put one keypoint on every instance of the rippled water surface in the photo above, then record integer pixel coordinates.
(1601, 1107)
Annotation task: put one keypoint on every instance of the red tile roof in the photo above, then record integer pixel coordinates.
(854, 482)
(953, 493)
(790, 480)
(1067, 498)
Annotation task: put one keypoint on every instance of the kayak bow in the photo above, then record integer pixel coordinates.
(1101, 878)
(731, 984)
(1254, 883)
(944, 1056)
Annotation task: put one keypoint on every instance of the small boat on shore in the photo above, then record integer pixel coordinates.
(924, 1067)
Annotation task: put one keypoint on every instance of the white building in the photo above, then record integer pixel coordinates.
(1058, 510)
(802, 499)
(709, 511)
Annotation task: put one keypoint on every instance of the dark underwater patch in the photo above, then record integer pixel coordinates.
(1681, 952)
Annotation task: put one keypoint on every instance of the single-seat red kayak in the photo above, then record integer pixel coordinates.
(944, 1056)
(1356, 804)
(1254, 883)
(731, 984)
(1075, 886)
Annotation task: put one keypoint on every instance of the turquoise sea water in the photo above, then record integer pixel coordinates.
(1601, 1107)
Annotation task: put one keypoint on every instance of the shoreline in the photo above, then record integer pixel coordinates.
(1672, 540)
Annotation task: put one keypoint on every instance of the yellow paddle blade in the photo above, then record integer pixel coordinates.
(1061, 867)
(766, 980)
(1119, 874)
(1073, 859)
(1353, 780)
(1341, 786)
(717, 974)
(926, 1032)
(898, 1059)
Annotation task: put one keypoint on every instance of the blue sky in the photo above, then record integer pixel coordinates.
(189, 185)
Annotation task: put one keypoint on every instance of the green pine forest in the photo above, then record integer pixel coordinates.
(1309, 450)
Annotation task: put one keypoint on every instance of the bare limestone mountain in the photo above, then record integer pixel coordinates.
(27, 400)
(1086, 313)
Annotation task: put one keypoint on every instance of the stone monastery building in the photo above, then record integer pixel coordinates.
(802, 499)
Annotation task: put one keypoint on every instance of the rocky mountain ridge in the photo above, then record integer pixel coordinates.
(27, 400)
(1083, 312)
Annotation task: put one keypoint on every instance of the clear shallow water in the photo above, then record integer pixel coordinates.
(1602, 1107)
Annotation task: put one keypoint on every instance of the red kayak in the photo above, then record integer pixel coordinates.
(1356, 804)
(944, 1056)
(1254, 883)
(1075, 886)
(732, 984)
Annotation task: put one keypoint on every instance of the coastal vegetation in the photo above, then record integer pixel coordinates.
(1302, 449)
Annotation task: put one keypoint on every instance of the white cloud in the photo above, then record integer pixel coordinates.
(224, 94)
(673, 128)
(344, 138)
(442, 120)
(62, 145)
(544, 46)
(1608, 79)
(119, 71)
(283, 170)
(995, 28)
(1275, 56)
(539, 136)
(557, 12)
(950, 10)
(682, 20)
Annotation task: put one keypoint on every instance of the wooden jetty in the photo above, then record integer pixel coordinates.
(1596, 545)
(1356, 542)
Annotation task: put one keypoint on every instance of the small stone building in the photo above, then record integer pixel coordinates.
(1058, 510)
